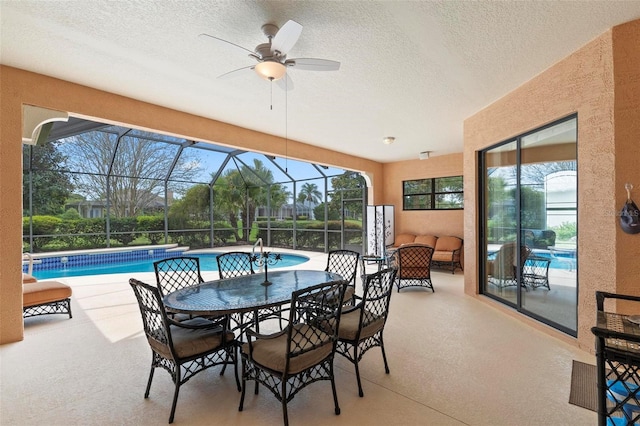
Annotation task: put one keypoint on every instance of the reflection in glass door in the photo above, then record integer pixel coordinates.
(501, 224)
(530, 224)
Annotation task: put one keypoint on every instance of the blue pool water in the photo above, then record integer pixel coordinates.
(565, 261)
(207, 263)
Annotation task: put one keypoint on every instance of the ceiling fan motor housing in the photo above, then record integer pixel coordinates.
(270, 30)
(264, 51)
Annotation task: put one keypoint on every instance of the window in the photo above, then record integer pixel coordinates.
(445, 193)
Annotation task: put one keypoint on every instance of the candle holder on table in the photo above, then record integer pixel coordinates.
(264, 260)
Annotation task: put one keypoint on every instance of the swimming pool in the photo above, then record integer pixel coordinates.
(207, 263)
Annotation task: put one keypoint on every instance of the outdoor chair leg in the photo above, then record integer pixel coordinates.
(384, 356)
(355, 362)
(175, 395)
(284, 402)
(335, 394)
(153, 368)
(244, 387)
(236, 351)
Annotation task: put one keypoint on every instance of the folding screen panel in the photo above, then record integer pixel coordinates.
(380, 229)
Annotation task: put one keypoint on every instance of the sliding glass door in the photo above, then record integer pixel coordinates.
(529, 223)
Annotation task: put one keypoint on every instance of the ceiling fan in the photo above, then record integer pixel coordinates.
(272, 56)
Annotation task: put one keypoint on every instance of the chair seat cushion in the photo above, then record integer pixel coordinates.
(448, 244)
(442, 256)
(188, 342)
(348, 294)
(41, 292)
(350, 321)
(272, 353)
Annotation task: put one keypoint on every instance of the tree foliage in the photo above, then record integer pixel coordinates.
(310, 194)
(238, 192)
(135, 173)
(193, 206)
(348, 185)
(50, 186)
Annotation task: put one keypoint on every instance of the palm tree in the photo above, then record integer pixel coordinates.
(309, 193)
(240, 191)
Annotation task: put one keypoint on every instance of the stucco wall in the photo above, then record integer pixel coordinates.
(442, 222)
(19, 87)
(626, 71)
(586, 83)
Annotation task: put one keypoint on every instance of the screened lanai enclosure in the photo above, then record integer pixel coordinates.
(93, 185)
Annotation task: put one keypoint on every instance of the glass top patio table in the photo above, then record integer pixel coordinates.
(245, 293)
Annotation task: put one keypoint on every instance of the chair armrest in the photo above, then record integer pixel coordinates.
(184, 324)
(602, 295)
(347, 309)
(252, 333)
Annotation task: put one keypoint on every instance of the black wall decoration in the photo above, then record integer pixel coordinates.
(630, 215)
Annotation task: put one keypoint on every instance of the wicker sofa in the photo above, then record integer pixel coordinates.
(447, 249)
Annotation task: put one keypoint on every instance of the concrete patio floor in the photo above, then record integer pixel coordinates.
(454, 361)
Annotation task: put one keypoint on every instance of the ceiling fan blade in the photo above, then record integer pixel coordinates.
(313, 64)
(285, 83)
(286, 37)
(237, 72)
(228, 43)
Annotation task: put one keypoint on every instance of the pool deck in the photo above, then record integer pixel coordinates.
(446, 350)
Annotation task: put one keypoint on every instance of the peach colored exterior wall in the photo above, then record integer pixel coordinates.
(626, 71)
(18, 87)
(444, 222)
(600, 83)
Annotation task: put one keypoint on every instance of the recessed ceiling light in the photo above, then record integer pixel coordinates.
(388, 140)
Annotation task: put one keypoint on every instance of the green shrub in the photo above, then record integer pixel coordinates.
(70, 214)
(122, 229)
(44, 227)
(154, 225)
(222, 233)
(310, 234)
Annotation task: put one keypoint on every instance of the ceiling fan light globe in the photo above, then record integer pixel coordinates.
(271, 70)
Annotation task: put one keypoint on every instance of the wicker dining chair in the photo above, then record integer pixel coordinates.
(345, 264)
(413, 262)
(287, 361)
(234, 264)
(502, 270)
(175, 273)
(182, 348)
(238, 263)
(362, 325)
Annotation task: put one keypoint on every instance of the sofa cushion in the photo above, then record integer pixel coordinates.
(429, 240)
(404, 239)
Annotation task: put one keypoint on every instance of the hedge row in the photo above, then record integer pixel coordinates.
(62, 234)
(310, 234)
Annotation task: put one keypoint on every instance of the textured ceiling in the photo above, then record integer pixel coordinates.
(414, 70)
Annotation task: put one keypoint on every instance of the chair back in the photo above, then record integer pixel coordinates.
(375, 301)
(506, 261)
(234, 264)
(344, 263)
(414, 261)
(314, 321)
(154, 318)
(175, 273)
